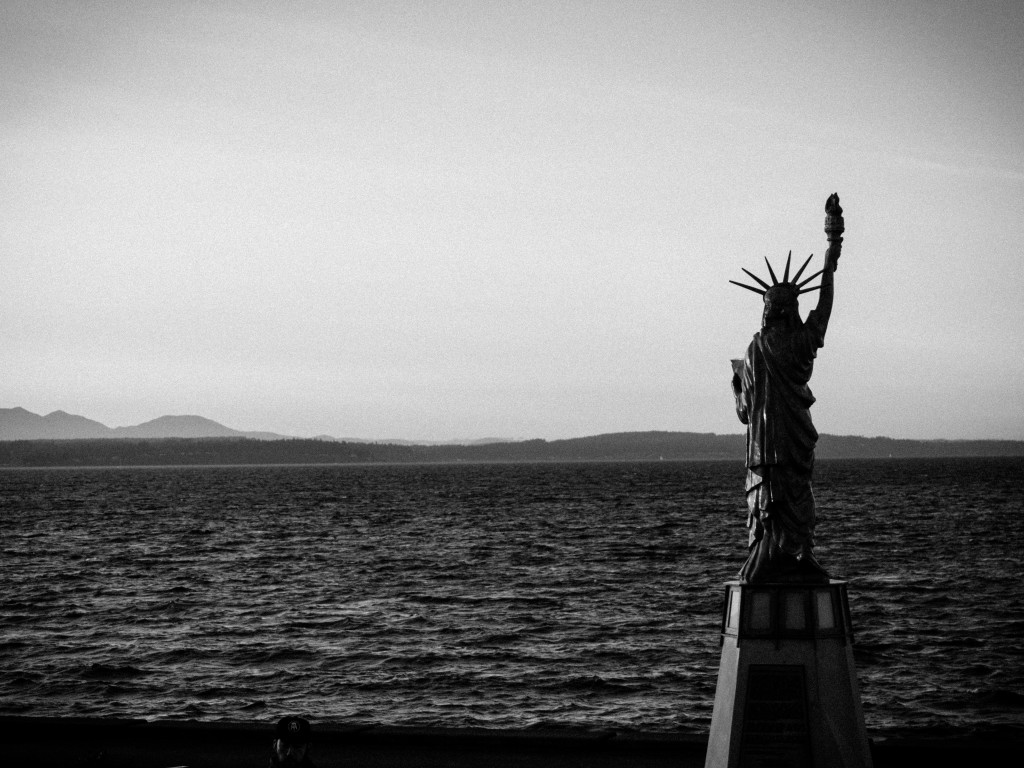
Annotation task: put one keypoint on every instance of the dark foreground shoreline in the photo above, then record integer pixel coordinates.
(80, 742)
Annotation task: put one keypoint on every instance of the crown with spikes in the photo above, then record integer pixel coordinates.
(787, 288)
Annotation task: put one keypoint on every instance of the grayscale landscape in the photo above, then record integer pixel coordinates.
(427, 370)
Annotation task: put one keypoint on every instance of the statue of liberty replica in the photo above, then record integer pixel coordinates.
(773, 400)
(787, 691)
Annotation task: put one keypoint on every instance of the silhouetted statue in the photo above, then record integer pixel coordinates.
(773, 400)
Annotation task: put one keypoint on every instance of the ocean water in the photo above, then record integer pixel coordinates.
(503, 595)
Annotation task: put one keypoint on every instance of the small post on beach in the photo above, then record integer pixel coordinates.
(787, 692)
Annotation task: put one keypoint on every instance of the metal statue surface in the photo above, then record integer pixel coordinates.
(773, 400)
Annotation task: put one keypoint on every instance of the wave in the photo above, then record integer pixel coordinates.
(112, 672)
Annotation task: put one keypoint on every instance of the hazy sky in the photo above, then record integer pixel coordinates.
(468, 219)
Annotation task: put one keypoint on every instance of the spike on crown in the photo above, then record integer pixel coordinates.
(785, 290)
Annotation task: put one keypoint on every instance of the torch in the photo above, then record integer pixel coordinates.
(834, 227)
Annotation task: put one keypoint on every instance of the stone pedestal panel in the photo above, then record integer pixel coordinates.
(787, 694)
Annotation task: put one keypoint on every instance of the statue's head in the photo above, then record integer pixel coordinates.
(781, 306)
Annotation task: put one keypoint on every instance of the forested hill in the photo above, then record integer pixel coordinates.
(623, 446)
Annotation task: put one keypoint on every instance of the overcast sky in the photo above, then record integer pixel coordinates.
(468, 219)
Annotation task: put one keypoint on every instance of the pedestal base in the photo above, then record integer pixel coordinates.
(787, 693)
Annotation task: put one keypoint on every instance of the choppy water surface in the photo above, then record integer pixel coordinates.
(488, 595)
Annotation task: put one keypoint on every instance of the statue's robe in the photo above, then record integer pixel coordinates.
(775, 402)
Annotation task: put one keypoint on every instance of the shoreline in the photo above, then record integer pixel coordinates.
(82, 741)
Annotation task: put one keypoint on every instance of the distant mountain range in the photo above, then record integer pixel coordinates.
(61, 439)
(19, 424)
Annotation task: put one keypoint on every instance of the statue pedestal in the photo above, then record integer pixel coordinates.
(787, 693)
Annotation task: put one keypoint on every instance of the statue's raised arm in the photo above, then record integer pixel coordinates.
(834, 227)
(773, 399)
